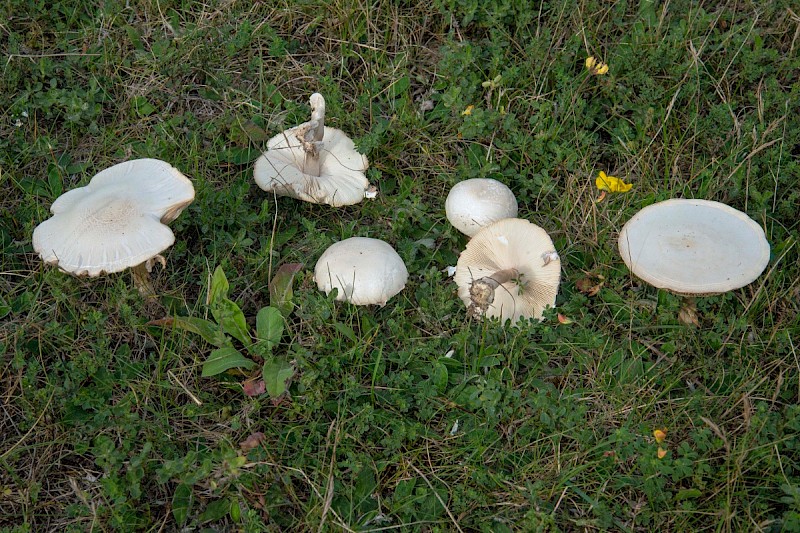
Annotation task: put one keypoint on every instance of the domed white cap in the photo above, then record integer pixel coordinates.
(116, 221)
(694, 247)
(512, 243)
(475, 203)
(365, 271)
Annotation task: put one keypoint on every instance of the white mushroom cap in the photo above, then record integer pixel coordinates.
(365, 271)
(507, 244)
(475, 203)
(284, 168)
(116, 221)
(694, 247)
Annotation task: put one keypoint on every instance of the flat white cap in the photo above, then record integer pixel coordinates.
(341, 181)
(694, 247)
(475, 203)
(506, 244)
(365, 271)
(116, 221)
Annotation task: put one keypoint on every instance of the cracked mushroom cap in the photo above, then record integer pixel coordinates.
(694, 247)
(365, 271)
(512, 243)
(475, 203)
(115, 222)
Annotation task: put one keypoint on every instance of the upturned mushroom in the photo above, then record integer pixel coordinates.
(364, 271)
(115, 222)
(694, 248)
(314, 163)
(475, 203)
(510, 270)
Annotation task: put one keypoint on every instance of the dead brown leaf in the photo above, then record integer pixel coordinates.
(252, 442)
(254, 387)
(591, 284)
(688, 315)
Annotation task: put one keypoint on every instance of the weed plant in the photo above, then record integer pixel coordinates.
(408, 417)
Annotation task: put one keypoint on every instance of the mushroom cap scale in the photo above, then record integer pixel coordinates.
(364, 271)
(694, 247)
(341, 181)
(474, 203)
(116, 221)
(511, 244)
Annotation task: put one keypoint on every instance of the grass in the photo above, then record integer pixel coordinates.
(408, 417)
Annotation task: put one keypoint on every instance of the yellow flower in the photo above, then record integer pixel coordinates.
(595, 67)
(661, 452)
(660, 435)
(468, 110)
(611, 184)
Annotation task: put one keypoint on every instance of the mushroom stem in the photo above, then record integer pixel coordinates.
(141, 275)
(481, 292)
(141, 280)
(312, 135)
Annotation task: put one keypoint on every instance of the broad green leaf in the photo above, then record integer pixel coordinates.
(54, 180)
(219, 287)
(269, 326)
(142, 106)
(399, 87)
(223, 359)
(277, 373)
(280, 288)
(688, 494)
(216, 510)
(365, 488)
(210, 332)
(404, 489)
(439, 376)
(181, 503)
(345, 330)
(239, 156)
(255, 132)
(232, 320)
(5, 309)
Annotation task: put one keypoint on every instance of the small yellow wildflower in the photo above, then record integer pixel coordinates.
(468, 110)
(661, 452)
(660, 435)
(595, 67)
(611, 184)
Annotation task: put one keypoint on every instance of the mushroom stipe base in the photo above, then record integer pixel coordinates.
(482, 290)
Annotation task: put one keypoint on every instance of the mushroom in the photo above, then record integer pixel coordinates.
(115, 222)
(364, 271)
(694, 248)
(314, 163)
(509, 270)
(475, 203)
